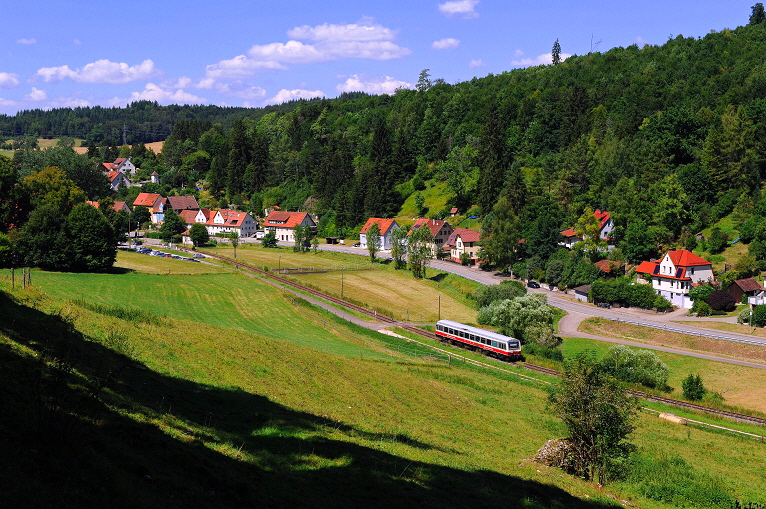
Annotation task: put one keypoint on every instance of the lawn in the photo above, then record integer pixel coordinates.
(435, 195)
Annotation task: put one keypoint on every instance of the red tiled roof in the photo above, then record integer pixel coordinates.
(188, 216)
(231, 217)
(453, 210)
(569, 232)
(93, 203)
(120, 205)
(383, 224)
(605, 265)
(647, 267)
(146, 199)
(433, 224)
(183, 202)
(113, 175)
(685, 258)
(602, 215)
(465, 235)
(748, 285)
(278, 219)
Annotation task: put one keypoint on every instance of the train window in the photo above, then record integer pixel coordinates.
(473, 338)
(494, 343)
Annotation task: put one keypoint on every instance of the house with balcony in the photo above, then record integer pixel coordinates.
(675, 274)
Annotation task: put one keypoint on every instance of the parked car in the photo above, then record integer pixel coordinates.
(198, 255)
(357, 244)
(533, 284)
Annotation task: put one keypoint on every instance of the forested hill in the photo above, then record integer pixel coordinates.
(670, 135)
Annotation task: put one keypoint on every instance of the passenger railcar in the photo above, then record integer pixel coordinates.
(492, 343)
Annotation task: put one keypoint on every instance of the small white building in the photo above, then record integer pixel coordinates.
(386, 226)
(607, 225)
(463, 240)
(283, 224)
(674, 275)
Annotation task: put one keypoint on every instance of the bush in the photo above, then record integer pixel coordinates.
(720, 300)
(635, 366)
(759, 316)
(661, 303)
(693, 388)
(486, 295)
(541, 351)
(701, 292)
(701, 308)
(744, 316)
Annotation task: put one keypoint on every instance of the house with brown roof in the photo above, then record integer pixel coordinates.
(155, 203)
(440, 232)
(179, 203)
(283, 224)
(463, 240)
(386, 227)
(747, 286)
(118, 206)
(674, 275)
(606, 227)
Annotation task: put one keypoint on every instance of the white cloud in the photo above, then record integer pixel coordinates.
(459, 9)
(26, 41)
(518, 53)
(36, 95)
(476, 63)
(7, 102)
(8, 80)
(241, 90)
(100, 71)
(364, 39)
(285, 95)
(640, 40)
(365, 30)
(544, 59)
(448, 43)
(152, 92)
(68, 102)
(372, 85)
(77, 42)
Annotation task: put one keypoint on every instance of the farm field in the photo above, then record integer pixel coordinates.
(740, 385)
(391, 292)
(240, 414)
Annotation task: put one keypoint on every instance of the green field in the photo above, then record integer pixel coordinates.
(224, 392)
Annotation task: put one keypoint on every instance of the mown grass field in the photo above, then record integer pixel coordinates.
(376, 286)
(234, 406)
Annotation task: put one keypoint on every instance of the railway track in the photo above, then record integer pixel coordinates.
(430, 335)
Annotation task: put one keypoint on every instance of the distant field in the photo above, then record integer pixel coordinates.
(392, 292)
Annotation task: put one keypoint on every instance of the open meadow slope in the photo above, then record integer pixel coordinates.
(258, 404)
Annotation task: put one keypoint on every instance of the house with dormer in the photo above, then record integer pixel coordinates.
(675, 274)
(386, 227)
(282, 224)
(570, 238)
(440, 232)
(117, 180)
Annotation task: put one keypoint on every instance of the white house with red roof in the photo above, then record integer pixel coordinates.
(440, 231)
(386, 226)
(117, 179)
(155, 203)
(674, 275)
(121, 164)
(221, 221)
(607, 225)
(463, 240)
(283, 224)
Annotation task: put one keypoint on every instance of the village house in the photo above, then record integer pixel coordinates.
(155, 203)
(117, 179)
(282, 224)
(463, 240)
(221, 221)
(440, 232)
(118, 206)
(607, 225)
(386, 227)
(747, 286)
(123, 164)
(180, 203)
(674, 275)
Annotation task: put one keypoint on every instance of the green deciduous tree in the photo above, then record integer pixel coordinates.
(514, 317)
(373, 240)
(635, 366)
(589, 228)
(269, 240)
(199, 234)
(599, 416)
(693, 387)
(419, 250)
(399, 247)
(500, 235)
(93, 244)
(757, 15)
(172, 225)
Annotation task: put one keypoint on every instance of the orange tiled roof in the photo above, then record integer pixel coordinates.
(279, 219)
(465, 235)
(146, 199)
(383, 224)
(685, 258)
(432, 224)
(188, 216)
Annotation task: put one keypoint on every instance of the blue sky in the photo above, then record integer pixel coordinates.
(253, 53)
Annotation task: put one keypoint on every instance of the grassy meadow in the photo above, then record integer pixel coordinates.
(145, 389)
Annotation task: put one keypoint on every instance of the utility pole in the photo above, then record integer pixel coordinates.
(341, 282)
(124, 134)
(439, 298)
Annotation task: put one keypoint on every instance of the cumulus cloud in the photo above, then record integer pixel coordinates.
(100, 71)
(77, 42)
(544, 59)
(26, 41)
(241, 90)
(153, 92)
(475, 63)
(8, 80)
(448, 43)
(7, 102)
(363, 39)
(372, 85)
(36, 95)
(459, 9)
(518, 53)
(285, 95)
(68, 102)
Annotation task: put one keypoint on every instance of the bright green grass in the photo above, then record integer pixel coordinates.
(435, 194)
(224, 300)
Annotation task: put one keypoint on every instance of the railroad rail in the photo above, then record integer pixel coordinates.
(430, 335)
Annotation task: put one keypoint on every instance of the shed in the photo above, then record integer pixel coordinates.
(740, 287)
(582, 292)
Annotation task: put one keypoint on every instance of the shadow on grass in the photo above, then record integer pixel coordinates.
(90, 427)
(438, 277)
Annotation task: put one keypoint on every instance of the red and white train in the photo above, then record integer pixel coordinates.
(492, 343)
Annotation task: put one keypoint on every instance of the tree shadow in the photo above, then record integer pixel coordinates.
(84, 426)
(438, 277)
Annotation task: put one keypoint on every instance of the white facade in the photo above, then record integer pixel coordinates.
(673, 279)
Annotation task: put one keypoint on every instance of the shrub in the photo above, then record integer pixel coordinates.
(720, 300)
(661, 303)
(635, 366)
(759, 316)
(744, 316)
(486, 295)
(693, 388)
(701, 292)
(541, 351)
(701, 308)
